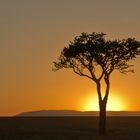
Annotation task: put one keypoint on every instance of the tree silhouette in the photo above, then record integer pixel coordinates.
(94, 57)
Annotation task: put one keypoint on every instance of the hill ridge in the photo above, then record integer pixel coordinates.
(44, 113)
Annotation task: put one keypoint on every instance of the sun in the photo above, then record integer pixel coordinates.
(114, 104)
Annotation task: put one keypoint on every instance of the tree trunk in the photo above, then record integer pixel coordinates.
(102, 118)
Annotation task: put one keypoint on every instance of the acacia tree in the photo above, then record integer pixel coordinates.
(94, 57)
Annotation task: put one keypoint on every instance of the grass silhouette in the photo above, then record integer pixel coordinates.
(67, 128)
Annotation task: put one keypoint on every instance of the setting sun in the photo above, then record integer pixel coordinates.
(114, 104)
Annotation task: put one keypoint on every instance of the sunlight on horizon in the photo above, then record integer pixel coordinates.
(115, 103)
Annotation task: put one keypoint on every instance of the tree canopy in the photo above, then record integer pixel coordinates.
(88, 51)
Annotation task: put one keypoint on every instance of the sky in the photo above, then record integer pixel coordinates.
(32, 35)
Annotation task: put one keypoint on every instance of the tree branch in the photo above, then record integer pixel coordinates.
(106, 78)
(80, 73)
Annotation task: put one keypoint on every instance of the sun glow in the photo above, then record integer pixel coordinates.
(114, 104)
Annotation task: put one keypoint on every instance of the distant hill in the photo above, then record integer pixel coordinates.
(75, 113)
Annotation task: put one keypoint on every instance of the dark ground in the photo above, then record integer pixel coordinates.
(68, 128)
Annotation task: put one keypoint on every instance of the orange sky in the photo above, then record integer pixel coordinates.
(32, 34)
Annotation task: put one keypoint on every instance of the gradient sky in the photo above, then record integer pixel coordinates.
(32, 35)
